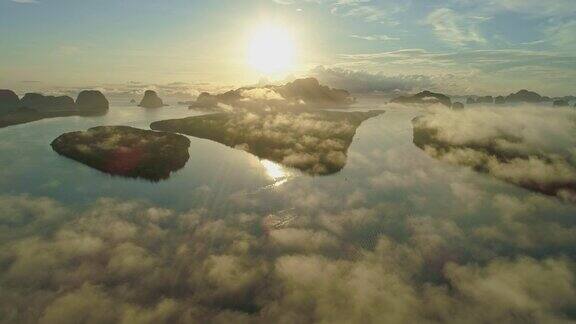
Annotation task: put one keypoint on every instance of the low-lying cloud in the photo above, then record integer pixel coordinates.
(131, 262)
(366, 82)
(530, 146)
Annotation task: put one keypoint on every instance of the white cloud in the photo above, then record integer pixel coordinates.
(376, 12)
(454, 28)
(535, 8)
(383, 38)
(476, 71)
(365, 82)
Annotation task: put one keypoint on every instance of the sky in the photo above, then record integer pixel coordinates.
(456, 46)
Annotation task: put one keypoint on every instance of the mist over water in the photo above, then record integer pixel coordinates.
(397, 235)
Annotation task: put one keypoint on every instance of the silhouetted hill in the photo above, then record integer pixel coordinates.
(458, 106)
(8, 101)
(561, 103)
(205, 101)
(35, 106)
(425, 98)
(151, 100)
(92, 100)
(524, 96)
(485, 100)
(311, 91)
(40, 102)
(301, 92)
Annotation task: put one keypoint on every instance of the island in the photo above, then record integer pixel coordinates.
(525, 96)
(485, 100)
(126, 151)
(495, 155)
(424, 98)
(151, 100)
(458, 106)
(92, 102)
(520, 97)
(315, 141)
(306, 92)
(39, 102)
(36, 106)
(8, 101)
(561, 103)
(205, 102)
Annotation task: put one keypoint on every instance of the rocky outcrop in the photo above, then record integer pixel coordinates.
(315, 142)
(307, 93)
(561, 103)
(205, 101)
(457, 106)
(35, 106)
(92, 101)
(310, 91)
(8, 101)
(485, 100)
(40, 102)
(565, 98)
(425, 98)
(126, 151)
(151, 100)
(524, 96)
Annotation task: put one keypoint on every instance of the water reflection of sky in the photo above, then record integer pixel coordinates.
(394, 230)
(30, 165)
(382, 154)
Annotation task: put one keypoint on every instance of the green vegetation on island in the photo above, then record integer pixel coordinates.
(126, 151)
(315, 142)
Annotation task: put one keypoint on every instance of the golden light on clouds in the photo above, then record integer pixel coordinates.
(273, 170)
(271, 50)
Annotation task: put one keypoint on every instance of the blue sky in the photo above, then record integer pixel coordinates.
(465, 46)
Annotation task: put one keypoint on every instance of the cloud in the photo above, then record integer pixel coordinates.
(533, 8)
(455, 28)
(475, 71)
(25, 1)
(562, 35)
(397, 236)
(528, 146)
(330, 260)
(364, 10)
(383, 38)
(313, 142)
(261, 94)
(366, 82)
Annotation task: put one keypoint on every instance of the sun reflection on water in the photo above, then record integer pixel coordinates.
(275, 171)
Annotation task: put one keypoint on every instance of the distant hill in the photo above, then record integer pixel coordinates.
(301, 92)
(36, 106)
(522, 96)
(425, 98)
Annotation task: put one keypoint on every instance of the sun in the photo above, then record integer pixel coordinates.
(271, 50)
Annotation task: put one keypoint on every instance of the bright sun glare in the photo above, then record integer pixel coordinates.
(271, 50)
